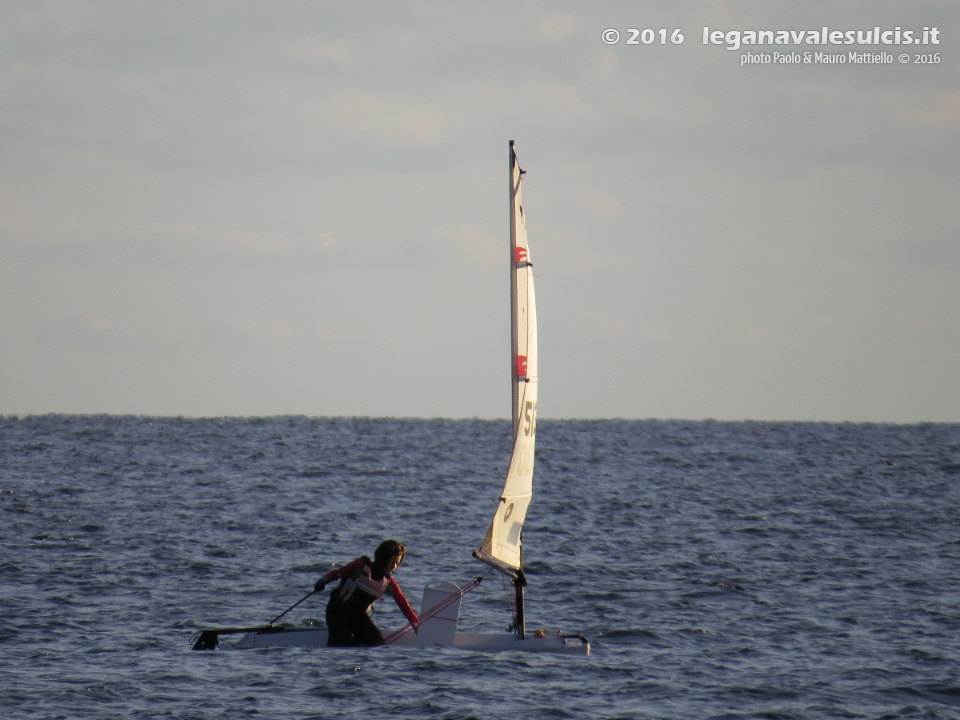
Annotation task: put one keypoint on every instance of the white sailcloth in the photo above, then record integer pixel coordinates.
(502, 542)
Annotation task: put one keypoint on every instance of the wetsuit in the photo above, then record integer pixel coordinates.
(362, 583)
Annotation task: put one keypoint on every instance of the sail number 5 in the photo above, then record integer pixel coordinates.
(530, 418)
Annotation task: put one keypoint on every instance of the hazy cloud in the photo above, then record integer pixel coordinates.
(281, 195)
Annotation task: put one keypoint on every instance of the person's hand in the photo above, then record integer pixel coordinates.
(320, 585)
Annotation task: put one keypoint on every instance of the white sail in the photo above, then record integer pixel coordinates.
(502, 542)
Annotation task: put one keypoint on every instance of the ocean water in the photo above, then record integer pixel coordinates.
(720, 570)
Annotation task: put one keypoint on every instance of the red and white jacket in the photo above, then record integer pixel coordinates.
(361, 585)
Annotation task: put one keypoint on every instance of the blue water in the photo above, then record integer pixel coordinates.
(721, 570)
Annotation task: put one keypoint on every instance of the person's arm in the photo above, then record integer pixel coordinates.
(339, 572)
(402, 603)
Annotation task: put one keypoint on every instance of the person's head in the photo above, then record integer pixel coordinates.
(389, 554)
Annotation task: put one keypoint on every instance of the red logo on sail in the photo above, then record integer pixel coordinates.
(521, 255)
(521, 366)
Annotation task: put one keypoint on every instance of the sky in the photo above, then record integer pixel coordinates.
(247, 208)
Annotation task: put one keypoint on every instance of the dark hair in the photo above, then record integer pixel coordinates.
(386, 550)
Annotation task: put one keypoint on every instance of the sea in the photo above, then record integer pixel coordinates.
(724, 570)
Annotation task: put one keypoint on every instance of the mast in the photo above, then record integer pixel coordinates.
(502, 545)
(516, 209)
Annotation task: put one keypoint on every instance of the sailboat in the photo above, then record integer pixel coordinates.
(502, 545)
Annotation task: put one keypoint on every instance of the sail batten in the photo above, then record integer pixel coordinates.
(503, 539)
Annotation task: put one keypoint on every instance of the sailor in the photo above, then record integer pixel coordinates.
(362, 583)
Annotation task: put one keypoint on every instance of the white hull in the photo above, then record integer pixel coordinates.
(440, 616)
(483, 642)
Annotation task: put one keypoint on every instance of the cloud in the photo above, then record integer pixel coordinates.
(595, 327)
(32, 233)
(937, 110)
(597, 202)
(556, 26)
(753, 337)
(935, 252)
(221, 182)
(314, 52)
(186, 241)
(252, 333)
(96, 333)
(29, 228)
(465, 246)
(387, 117)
